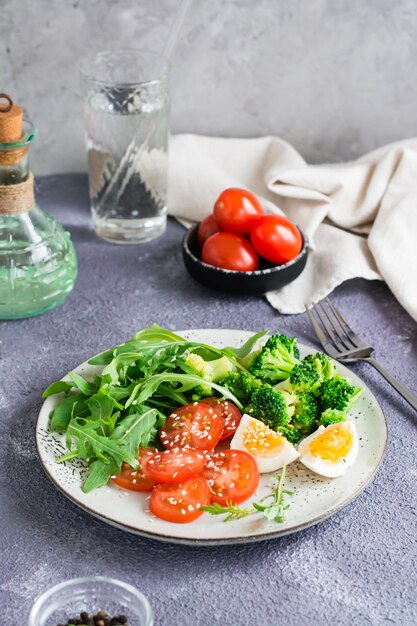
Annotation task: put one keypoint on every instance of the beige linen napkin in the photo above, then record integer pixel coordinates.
(360, 216)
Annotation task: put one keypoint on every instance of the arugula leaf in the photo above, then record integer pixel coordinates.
(58, 387)
(90, 443)
(146, 389)
(85, 387)
(240, 353)
(156, 333)
(100, 473)
(137, 431)
(74, 405)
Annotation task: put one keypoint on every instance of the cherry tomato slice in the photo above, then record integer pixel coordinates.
(232, 475)
(208, 227)
(176, 465)
(276, 239)
(194, 425)
(231, 252)
(229, 413)
(137, 479)
(180, 502)
(237, 210)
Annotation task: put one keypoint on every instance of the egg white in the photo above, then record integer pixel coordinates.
(326, 467)
(286, 454)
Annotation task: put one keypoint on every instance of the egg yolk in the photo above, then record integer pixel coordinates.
(260, 440)
(334, 443)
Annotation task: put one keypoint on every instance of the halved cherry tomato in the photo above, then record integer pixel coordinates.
(237, 210)
(231, 252)
(176, 465)
(229, 413)
(276, 239)
(207, 228)
(195, 425)
(180, 502)
(137, 479)
(232, 475)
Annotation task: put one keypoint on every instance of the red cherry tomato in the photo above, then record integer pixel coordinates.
(181, 502)
(237, 210)
(136, 479)
(176, 465)
(195, 425)
(207, 228)
(232, 475)
(276, 239)
(229, 413)
(231, 252)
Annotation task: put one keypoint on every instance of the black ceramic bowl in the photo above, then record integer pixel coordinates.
(267, 278)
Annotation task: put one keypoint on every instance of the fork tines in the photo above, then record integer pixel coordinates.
(333, 332)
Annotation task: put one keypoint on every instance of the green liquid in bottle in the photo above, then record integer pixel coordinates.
(37, 271)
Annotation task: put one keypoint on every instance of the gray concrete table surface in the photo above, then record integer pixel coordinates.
(356, 568)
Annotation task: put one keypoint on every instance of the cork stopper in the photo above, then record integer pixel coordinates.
(11, 120)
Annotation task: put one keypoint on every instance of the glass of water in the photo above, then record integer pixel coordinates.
(126, 112)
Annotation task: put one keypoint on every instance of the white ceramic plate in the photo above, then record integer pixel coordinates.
(314, 500)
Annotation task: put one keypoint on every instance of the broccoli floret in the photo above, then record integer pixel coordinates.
(242, 385)
(337, 393)
(271, 407)
(211, 371)
(309, 374)
(292, 434)
(306, 412)
(276, 359)
(331, 416)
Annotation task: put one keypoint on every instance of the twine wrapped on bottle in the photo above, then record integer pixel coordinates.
(17, 197)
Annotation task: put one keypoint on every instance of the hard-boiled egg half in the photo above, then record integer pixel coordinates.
(270, 449)
(330, 451)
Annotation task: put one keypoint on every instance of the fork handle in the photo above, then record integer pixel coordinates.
(402, 389)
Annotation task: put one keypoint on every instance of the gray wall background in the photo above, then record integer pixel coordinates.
(334, 77)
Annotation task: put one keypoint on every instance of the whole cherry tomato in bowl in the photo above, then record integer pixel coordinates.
(237, 211)
(230, 252)
(206, 228)
(276, 239)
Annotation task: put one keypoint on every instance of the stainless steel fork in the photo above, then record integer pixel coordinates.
(344, 345)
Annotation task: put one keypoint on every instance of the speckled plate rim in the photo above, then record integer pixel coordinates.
(256, 537)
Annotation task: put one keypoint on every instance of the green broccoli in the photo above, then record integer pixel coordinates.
(242, 385)
(276, 359)
(212, 371)
(331, 416)
(306, 412)
(292, 434)
(309, 374)
(337, 393)
(271, 407)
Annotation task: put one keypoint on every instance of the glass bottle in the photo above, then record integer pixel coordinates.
(38, 264)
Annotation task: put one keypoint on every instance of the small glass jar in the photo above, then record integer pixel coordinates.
(91, 594)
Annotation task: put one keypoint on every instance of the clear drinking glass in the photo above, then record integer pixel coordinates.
(92, 594)
(126, 112)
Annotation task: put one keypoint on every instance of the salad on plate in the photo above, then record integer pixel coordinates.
(193, 426)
